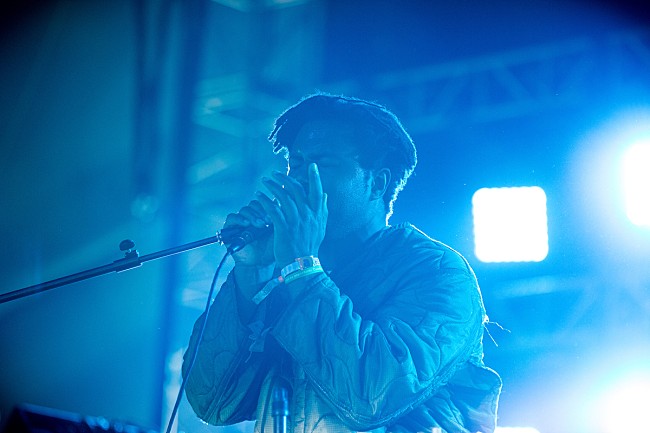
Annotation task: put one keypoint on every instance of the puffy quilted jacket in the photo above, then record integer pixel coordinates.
(391, 343)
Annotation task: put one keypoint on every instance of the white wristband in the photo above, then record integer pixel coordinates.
(300, 264)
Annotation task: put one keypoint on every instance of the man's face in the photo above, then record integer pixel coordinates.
(348, 186)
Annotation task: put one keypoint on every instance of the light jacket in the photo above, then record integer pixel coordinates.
(390, 343)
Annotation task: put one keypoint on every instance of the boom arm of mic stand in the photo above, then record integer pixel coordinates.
(131, 260)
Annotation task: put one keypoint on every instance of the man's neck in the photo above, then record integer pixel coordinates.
(335, 252)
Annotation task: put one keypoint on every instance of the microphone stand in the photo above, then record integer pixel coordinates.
(280, 405)
(132, 259)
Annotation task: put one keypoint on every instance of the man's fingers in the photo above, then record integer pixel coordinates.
(271, 208)
(290, 185)
(315, 197)
(236, 219)
(262, 217)
(252, 214)
(288, 206)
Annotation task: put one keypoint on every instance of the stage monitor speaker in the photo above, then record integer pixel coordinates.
(27, 418)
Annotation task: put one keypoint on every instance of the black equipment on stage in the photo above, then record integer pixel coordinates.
(28, 418)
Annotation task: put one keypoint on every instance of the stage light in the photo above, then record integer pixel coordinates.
(510, 224)
(624, 405)
(516, 430)
(636, 183)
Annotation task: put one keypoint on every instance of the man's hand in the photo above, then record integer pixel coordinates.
(259, 253)
(299, 217)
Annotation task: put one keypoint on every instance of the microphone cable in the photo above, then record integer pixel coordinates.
(192, 357)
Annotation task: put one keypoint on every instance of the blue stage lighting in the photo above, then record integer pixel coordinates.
(516, 430)
(510, 224)
(636, 183)
(624, 405)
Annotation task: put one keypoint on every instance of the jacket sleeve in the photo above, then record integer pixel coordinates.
(224, 383)
(375, 367)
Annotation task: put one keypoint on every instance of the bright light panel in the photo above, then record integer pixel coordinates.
(636, 184)
(625, 407)
(516, 430)
(510, 224)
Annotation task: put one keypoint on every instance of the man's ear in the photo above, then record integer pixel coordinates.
(380, 181)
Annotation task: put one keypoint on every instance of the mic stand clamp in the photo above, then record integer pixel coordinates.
(131, 257)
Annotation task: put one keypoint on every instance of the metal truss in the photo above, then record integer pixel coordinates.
(510, 84)
(477, 90)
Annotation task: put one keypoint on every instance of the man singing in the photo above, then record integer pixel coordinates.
(373, 327)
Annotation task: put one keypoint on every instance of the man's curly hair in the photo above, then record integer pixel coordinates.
(378, 136)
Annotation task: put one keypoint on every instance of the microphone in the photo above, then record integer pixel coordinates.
(237, 237)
